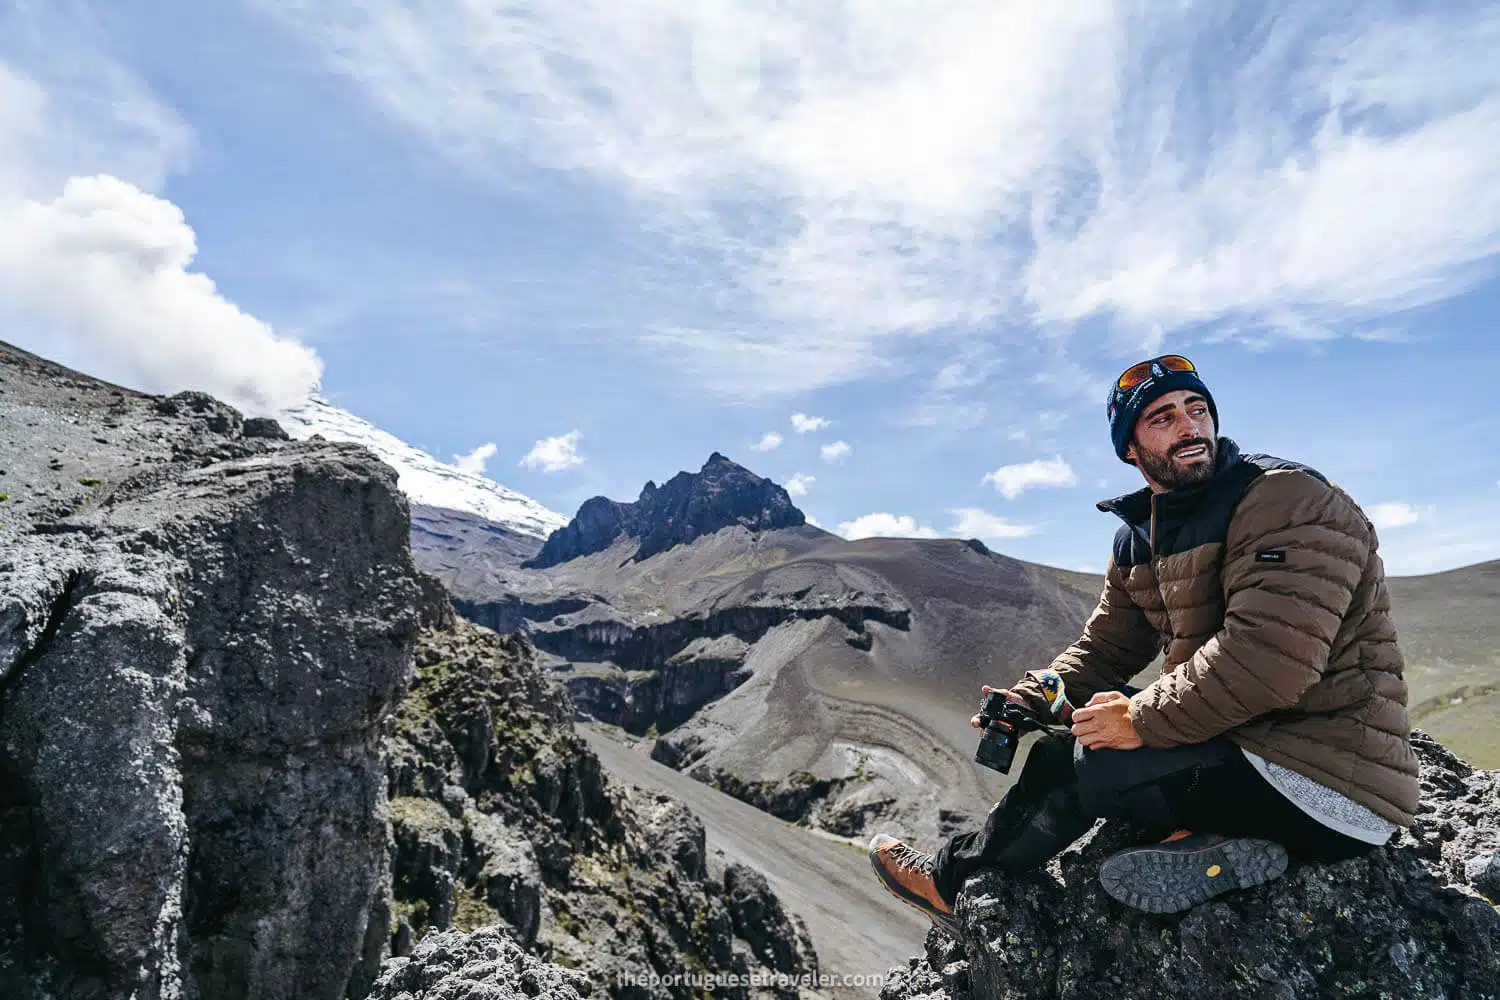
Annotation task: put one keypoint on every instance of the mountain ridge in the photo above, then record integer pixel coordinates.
(423, 479)
(686, 507)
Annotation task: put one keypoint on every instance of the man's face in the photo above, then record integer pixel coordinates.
(1174, 442)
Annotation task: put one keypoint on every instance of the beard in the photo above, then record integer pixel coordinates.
(1164, 469)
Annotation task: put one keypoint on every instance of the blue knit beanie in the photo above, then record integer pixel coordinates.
(1128, 404)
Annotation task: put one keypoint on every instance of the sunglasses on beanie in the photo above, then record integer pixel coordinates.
(1132, 378)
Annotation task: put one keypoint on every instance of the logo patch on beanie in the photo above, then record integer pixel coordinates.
(1271, 555)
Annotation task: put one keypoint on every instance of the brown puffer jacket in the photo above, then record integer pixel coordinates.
(1265, 592)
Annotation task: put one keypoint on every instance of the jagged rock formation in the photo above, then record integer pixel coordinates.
(484, 965)
(1409, 920)
(829, 681)
(500, 814)
(638, 644)
(688, 506)
(203, 627)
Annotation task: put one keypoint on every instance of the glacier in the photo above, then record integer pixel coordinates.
(424, 479)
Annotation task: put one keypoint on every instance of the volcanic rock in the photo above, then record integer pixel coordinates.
(1408, 920)
(501, 816)
(203, 628)
(688, 506)
(484, 965)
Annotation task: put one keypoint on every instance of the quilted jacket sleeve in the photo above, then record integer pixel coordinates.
(1117, 643)
(1294, 555)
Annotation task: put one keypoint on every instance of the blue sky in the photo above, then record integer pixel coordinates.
(664, 228)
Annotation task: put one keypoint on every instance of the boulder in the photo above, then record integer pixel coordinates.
(1408, 920)
(779, 940)
(482, 965)
(202, 634)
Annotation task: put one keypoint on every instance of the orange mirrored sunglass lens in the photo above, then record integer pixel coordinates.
(1136, 374)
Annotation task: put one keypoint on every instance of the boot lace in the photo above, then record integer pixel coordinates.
(911, 859)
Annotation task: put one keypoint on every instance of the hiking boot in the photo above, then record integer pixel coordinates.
(907, 874)
(1189, 868)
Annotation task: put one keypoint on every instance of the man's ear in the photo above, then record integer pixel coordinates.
(1130, 454)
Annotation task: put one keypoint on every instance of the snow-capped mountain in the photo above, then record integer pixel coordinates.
(423, 478)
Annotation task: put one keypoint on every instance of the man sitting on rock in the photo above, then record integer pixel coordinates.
(1278, 722)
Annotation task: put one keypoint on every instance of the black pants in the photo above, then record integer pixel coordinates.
(1207, 787)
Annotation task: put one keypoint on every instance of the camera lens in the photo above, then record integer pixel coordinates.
(997, 748)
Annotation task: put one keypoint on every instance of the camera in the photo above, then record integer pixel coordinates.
(1003, 723)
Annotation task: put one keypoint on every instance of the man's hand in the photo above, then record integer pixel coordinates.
(1009, 696)
(1104, 723)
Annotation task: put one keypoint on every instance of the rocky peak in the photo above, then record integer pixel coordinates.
(686, 507)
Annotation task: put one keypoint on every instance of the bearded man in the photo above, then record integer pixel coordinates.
(1278, 722)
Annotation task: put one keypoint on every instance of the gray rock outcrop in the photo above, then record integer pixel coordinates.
(502, 816)
(688, 506)
(203, 628)
(483, 965)
(1408, 920)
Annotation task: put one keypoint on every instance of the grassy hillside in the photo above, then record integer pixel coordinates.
(1449, 625)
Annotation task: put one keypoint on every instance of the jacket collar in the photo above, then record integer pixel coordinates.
(1135, 508)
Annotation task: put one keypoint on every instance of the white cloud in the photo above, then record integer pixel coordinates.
(1384, 335)
(946, 414)
(1013, 480)
(103, 272)
(805, 424)
(68, 109)
(947, 402)
(1295, 225)
(555, 454)
(1467, 533)
(797, 486)
(95, 270)
(885, 526)
(770, 441)
(475, 460)
(1039, 425)
(750, 363)
(860, 173)
(813, 521)
(1397, 515)
(835, 452)
(972, 522)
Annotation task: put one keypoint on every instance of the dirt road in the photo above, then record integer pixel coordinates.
(857, 927)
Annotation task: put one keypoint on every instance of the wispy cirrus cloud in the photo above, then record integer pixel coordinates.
(858, 175)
